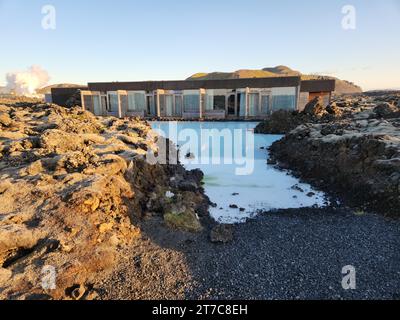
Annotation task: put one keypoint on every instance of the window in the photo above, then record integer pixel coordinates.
(113, 102)
(191, 103)
(242, 104)
(88, 101)
(253, 104)
(161, 101)
(96, 105)
(219, 103)
(265, 105)
(104, 102)
(283, 102)
(169, 104)
(137, 101)
(209, 101)
(214, 101)
(178, 105)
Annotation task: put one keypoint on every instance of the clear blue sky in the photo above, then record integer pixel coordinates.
(141, 40)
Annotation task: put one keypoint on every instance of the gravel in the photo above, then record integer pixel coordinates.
(287, 254)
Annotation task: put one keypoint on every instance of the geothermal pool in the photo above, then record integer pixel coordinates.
(237, 177)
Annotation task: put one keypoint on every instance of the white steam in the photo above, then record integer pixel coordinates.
(26, 83)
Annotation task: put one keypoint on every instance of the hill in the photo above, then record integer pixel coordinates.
(342, 86)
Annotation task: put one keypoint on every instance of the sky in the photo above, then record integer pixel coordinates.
(131, 40)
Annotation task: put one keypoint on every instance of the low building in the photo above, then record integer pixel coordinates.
(253, 98)
(60, 96)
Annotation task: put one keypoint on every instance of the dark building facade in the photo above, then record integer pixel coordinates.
(61, 95)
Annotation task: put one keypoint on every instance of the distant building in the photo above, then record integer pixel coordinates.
(61, 95)
(253, 98)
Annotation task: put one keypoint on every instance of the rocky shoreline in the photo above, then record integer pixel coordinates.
(356, 155)
(73, 190)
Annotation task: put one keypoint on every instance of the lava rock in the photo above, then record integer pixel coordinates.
(315, 107)
(384, 109)
(222, 233)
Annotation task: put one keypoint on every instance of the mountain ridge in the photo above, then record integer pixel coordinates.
(342, 86)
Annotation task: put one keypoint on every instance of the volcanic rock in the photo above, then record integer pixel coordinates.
(70, 187)
(357, 157)
(222, 233)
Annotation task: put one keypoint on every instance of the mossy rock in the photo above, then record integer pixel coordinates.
(185, 221)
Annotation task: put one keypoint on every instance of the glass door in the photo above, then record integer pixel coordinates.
(97, 105)
(113, 102)
(265, 105)
(169, 105)
(178, 105)
(253, 104)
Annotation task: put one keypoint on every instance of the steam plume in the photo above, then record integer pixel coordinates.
(27, 82)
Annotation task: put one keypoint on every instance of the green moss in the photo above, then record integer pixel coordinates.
(359, 213)
(185, 221)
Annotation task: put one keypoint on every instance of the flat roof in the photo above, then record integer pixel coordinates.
(67, 90)
(197, 84)
(306, 85)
